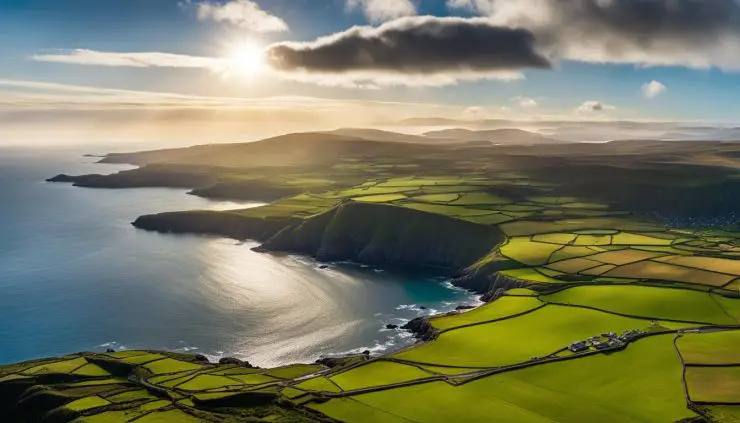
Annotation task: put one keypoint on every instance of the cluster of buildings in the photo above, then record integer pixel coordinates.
(605, 341)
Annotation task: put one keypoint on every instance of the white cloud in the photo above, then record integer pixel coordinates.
(383, 10)
(243, 13)
(373, 80)
(594, 107)
(653, 89)
(525, 102)
(224, 67)
(136, 60)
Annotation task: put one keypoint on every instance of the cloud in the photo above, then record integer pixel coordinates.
(594, 107)
(690, 33)
(411, 51)
(525, 102)
(136, 60)
(243, 13)
(653, 89)
(383, 10)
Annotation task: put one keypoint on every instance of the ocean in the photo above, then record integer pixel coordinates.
(76, 276)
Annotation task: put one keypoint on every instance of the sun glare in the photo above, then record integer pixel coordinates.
(246, 59)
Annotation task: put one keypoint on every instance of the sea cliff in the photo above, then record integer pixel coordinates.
(371, 234)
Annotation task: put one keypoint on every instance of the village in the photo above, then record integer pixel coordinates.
(606, 341)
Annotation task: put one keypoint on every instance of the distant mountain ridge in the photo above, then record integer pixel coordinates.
(495, 136)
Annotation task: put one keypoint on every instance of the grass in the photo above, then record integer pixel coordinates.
(529, 275)
(719, 265)
(205, 382)
(66, 366)
(527, 252)
(502, 307)
(646, 302)
(717, 348)
(480, 198)
(724, 413)
(714, 384)
(377, 374)
(506, 342)
(437, 198)
(730, 305)
(571, 252)
(663, 271)
(135, 395)
(625, 238)
(319, 383)
(385, 198)
(640, 384)
(574, 265)
(561, 239)
(622, 257)
(352, 410)
(169, 365)
(586, 240)
(294, 371)
(87, 403)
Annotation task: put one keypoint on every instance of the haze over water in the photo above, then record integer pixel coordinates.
(75, 275)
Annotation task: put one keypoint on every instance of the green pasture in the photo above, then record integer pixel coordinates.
(507, 342)
(646, 302)
(711, 348)
(503, 307)
(714, 384)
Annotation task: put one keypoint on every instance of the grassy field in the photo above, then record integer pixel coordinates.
(641, 384)
(647, 302)
(718, 348)
(714, 384)
(507, 342)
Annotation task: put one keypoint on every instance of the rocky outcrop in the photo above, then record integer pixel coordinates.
(235, 362)
(484, 277)
(462, 307)
(377, 234)
(228, 224)
(422, 329)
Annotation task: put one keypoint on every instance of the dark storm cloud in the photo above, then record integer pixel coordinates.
(416, 45)
(696, 33)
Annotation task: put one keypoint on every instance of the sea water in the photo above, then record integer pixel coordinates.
(76, 276)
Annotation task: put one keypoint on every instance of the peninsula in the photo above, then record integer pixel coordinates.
(610, 274)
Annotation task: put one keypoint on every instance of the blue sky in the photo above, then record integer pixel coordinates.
(52, 27)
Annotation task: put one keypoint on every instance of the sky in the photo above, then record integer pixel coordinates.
(358, 62)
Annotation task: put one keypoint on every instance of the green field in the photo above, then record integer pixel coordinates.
(647, 302)
(714, 384)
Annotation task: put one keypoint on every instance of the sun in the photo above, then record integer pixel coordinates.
(246, 59)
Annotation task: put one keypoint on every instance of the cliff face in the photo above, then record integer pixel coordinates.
(381, 234)
(483, 276)
(226, 224)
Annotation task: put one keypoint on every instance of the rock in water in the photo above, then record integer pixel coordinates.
(391, 326)
(235, 361)
(464, 307)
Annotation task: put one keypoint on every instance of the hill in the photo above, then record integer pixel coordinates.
(495, 136)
